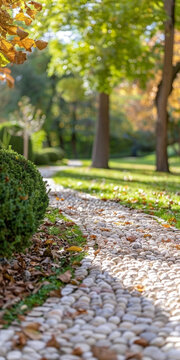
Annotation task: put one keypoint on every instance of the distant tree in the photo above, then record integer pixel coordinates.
(165, 87)
(29, 119)
(109, 43)
(72, 91)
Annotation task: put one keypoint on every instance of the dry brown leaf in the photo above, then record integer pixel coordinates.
(103, 353)
(74, 249)
(55, 293)
(31, 330)
(96, 252)
(131, 238)
(77, 351)
(20, 341)
(133, 355)
(53, 343)
(66, 277)
(142, 342)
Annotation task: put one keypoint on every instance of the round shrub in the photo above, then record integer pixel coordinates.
(41, 159)
(17, 222)
(23, 201)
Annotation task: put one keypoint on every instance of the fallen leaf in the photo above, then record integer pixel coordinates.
(166, 225)
(142, 342)
(66, 277)
(77, 351)
(20, 340)
(131, 238)
(147, 235)
(32, 332)
(104, 229)
(140, 288)
(55, 293)
(133, 355)
(103, 353)
(96, 252)
(93, 236)
(53, 343)
(74, 249)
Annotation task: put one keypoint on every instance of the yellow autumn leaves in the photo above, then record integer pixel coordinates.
(14, 40)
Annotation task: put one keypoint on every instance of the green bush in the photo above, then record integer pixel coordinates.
(16, 141)
(23, 201)
(41, 159)
(54, 154)
(48, 155)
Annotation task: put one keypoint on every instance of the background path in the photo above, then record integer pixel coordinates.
(128, 304)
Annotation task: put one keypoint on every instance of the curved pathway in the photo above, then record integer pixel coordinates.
(128, 304)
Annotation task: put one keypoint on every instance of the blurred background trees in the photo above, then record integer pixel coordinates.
(105, 59)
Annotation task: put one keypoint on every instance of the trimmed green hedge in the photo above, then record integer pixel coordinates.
(48, 155)
(23, 201)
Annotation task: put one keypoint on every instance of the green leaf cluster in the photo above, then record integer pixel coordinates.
(23, 202)
(108, 40)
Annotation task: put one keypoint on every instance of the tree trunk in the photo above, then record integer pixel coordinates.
(73, 133)
(61, 140)
(164, 90)
(100, 155)
(26, 144)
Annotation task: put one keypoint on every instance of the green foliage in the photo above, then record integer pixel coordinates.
(109, 39)
(54, 154)
(41, 158)
(37, 140)
(23, 201)
(17, 221)
(15, 141)
(48, 155)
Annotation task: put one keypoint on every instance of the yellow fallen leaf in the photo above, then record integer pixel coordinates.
(140, 288)
(74, 248)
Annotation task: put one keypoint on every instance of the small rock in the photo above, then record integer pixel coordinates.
(14, 355)
(154, 353)
(36, 344)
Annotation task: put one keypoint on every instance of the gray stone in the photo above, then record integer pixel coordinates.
(173, 354)
(14, 355)
(36, 344)
(154, 353)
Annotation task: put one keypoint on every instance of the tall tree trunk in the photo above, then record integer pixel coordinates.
(26, 144)
(61, 140)
(73, 133)
(164, 90)
(100, 155)
(48, 110)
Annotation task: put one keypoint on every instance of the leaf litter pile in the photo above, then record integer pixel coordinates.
(55, 247)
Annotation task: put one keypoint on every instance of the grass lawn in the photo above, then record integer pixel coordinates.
(133, 182)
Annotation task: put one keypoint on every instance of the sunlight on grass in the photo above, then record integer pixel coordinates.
(132, 182)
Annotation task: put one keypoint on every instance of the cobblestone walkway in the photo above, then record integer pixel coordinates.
(128, 304)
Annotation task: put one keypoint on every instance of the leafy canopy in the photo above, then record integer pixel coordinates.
(108, 39)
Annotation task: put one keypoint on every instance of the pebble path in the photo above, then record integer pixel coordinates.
(128, 303)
